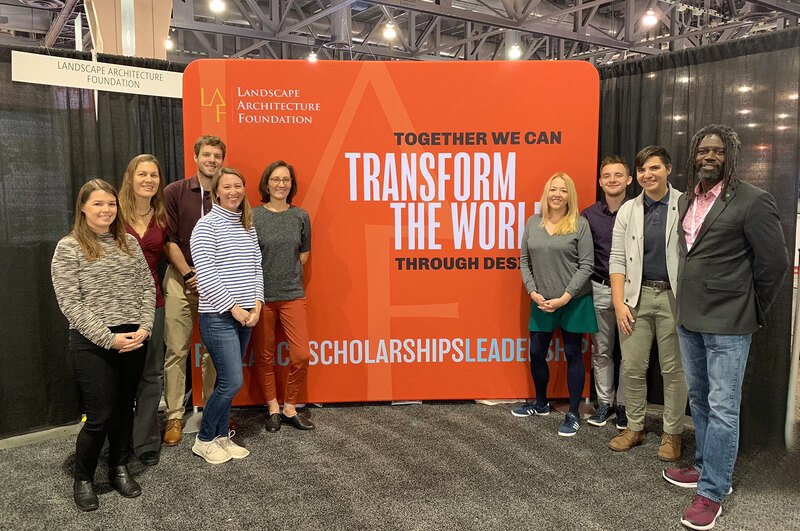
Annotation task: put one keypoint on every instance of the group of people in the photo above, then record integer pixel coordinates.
(232, 264)
(697, 271)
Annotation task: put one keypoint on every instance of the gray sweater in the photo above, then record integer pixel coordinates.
(282, 236)
(112, 290)
(552, 265)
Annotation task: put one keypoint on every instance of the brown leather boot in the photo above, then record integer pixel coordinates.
(670, 449)
(626, 440)
(174, 432)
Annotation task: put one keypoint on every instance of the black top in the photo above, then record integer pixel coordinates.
(654, 265)
(601, 222)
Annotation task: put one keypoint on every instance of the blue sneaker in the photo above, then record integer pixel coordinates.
(571, 426)
(601, 415)
(531, 408)
(622, 418)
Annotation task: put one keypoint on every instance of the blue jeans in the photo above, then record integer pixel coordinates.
(714, 365)
(226, 340)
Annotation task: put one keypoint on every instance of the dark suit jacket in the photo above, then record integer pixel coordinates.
(733, 272)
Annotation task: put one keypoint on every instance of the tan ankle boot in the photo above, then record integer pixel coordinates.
(670, 449)
(626, 440)
(174, 432)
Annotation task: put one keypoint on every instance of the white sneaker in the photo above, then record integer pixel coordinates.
(233, 449)
(211, 451)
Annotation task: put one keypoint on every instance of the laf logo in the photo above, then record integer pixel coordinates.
(216, 101)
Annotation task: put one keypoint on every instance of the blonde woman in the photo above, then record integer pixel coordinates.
(141, 201)
(106, 292)
(557, 259)
(230, 283)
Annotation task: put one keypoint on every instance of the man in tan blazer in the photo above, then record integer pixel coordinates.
(644, 269)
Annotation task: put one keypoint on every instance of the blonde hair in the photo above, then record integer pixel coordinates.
(244, 206)
(127, 199)
(81, 231)
(568, 223)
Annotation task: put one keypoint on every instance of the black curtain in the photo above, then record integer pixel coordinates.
(751, 85)
(51, 142)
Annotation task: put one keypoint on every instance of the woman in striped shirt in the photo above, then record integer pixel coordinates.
(231, 288)
(105, 291)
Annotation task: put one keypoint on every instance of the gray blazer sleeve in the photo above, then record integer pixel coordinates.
(585, 258)
(763, 230)
(525, 262)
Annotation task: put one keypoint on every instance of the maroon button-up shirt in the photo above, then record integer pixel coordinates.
(185, 206)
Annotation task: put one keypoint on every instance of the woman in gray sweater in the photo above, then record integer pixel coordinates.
(106, 292)
(557, 259)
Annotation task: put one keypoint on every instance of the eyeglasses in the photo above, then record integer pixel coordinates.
(276, 181)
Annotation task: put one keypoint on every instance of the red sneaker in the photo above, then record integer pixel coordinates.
(682, 477)
(702, 514)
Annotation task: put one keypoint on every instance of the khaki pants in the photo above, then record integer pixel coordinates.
(180, 312)
(655, 315)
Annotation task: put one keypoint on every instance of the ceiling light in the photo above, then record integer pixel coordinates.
(216, 6)
(762, 147)
(745, 88)
(515, 52)
(651, 76)
(793, 96)
(743, 111)
(678, 117)
(782, 127)
(312, 57)
(683, 79)
(751, 125)
(169, 44)
(650, 19)
(783, 115)
(389, 32)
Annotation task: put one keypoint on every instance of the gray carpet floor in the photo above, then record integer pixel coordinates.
(433, 466)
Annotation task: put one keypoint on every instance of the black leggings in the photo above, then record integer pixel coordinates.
(540, 342)
(107, 380)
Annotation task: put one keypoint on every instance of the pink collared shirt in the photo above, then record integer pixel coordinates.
(698, 211)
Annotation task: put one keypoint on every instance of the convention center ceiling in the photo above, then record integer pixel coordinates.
(599, 31)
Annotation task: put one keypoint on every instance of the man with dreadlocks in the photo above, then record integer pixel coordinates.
(732, 262)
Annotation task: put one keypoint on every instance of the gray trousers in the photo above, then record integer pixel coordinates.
(603, 347)
(146, 428)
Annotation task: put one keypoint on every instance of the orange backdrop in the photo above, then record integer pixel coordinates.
(413, 288)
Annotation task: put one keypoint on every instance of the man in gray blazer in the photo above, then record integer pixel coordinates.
(732, 262)
(643, 267)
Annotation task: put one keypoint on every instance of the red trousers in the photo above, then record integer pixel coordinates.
(292, 316)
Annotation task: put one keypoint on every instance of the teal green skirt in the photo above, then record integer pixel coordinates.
(575, 316)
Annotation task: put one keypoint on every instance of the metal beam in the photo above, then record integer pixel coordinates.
(316, 16)
(58, 24)
(539, 28)
(784, 6)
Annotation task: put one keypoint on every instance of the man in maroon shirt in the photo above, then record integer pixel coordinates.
(187, 201)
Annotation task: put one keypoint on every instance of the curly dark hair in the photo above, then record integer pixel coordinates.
(732, 149)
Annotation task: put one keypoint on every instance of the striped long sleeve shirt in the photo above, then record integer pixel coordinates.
(112, 290)
(228, 262)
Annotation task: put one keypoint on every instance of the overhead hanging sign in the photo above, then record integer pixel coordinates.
(77, 73)
(418, 178)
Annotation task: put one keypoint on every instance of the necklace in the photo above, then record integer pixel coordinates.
(274, 209)
(146, 213)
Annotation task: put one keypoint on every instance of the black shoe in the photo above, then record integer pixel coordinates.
(123, 483)
(84, 495)
(150, 458)
(273, 422)
(298, 421)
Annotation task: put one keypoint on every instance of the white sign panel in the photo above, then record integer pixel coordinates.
(76, 73)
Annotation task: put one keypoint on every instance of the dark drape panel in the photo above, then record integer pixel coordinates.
(51, 142)
(48, 140)
(751, 85)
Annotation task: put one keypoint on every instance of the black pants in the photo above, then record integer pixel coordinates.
(540, 342)
(107, 380)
